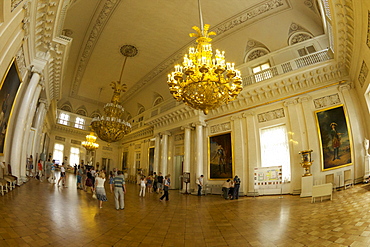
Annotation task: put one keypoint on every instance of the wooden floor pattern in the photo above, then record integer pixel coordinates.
(42, 214)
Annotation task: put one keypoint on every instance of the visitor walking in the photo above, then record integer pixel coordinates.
(166, 187)
(119, 190)
(100, 191)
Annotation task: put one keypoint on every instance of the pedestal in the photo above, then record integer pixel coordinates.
(306, 187)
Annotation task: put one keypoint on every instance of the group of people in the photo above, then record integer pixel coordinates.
(46, 169)
(230, 188)
(88, 177)
(155, 183)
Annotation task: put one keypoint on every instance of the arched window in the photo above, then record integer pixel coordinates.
(82, 112)
(158, 100)
(66, 107)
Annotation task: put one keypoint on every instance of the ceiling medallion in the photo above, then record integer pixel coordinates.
(204, 81)
(112, 127)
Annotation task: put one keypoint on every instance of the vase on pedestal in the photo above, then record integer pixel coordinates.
(306, 162)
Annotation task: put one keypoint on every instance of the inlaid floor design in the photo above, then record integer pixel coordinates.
(42, 214)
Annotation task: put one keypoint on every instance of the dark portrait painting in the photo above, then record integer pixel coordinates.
(335, 140)
(220, 157)
(8, 92)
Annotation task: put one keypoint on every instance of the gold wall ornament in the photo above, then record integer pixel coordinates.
(90, 144)
(112, 127)
(204, 81)
(306, 162)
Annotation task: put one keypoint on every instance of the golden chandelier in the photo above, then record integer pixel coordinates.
(111, 127)
(204, 81)
(90, 144)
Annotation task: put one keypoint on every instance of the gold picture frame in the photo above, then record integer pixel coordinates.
(10, 85)
(334, 137)
(220, 157)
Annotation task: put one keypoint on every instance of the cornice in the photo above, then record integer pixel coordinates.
(344, 23)
(69, 130)
(96, 30)
(284, 87)
(147, 132)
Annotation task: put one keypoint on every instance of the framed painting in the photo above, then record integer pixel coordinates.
(220, 157)
(151, 160)
(9, 87)
(335, 138)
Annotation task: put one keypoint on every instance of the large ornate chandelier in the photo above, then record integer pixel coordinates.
(111, 127)
(90, 144)
(204, 81)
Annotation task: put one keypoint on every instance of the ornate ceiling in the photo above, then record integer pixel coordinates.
(159, 29)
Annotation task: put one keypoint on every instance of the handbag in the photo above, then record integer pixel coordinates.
(94, 196)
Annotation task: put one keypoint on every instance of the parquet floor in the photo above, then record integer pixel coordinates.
(42, 214)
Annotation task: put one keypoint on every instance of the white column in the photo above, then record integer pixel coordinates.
(164, 156)
(357, 128)
(39, 120)
(156, 154)
(253, 157)
(31, 113)
(187, 146)
(240, 143)
(296, 119)
(17, 161)
(199, 149)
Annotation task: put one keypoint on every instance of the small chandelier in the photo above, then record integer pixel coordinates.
(204, 81)
(90, 144)
(111, 127)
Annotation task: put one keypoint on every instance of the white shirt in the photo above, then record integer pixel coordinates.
(100, 182)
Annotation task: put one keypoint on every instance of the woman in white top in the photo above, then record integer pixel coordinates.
(142, 186)
(100, 190)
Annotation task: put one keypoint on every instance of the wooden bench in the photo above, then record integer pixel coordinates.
(321, 191)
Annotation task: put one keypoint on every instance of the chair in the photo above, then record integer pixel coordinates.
(9, 178)
(330, 179)
(3, 182)
(348, 180)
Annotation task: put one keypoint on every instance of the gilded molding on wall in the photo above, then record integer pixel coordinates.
(271, 115)
(327, 101)
(21, 62)
(364, 71)
(180, 137)
(368, 29)
(15, 3)
(59, 138)
(106, 148)
(76, 142)
(220, 127)
(97, 29)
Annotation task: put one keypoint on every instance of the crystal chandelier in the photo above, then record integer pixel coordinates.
(90, 144)
(111, 127)
(204, 81)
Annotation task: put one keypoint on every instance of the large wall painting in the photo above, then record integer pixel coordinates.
(220, 157)
(8, 91)
(335, 140)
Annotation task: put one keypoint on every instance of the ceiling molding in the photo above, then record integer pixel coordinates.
(245, 17)
(96, 30)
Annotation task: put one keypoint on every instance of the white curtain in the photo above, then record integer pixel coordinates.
(275, 149)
